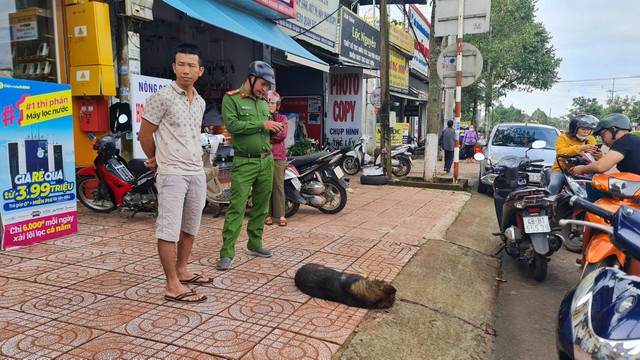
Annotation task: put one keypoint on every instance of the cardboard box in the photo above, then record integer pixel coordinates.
(89, 33)
(93, 80)
(26, 24)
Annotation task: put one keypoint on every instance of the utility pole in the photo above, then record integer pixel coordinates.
(433, 105)
(122, 47)
(385, 133)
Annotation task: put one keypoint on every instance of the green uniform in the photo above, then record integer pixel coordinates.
(252, 168)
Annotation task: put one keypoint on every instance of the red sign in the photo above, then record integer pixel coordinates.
(286, 7)
(309, 108)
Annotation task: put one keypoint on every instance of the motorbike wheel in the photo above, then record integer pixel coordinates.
(290, 208)
(93, 194)
(572, 240)
(591, 267)
(403, 169)
(350, 165)
(538, 266)
(337, 198)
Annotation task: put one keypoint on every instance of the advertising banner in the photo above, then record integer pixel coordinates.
(37, 170)
(401, 39)
(422, 29)
(398, 72)
(359, 41)
(141, 88)
(286, 7)
(309, 109)
(345, 106)
(399, 133)
(316, 22)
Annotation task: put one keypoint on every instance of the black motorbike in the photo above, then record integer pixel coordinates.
(523, 212)
(316, 180)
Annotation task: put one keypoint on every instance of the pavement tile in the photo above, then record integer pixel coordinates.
(59, 304)
(150, 291)
(373, 267)
(42, 250)
(109, 283)
(47, 341)
(242, 281)
(109, 313)
(8, 260)
(29, 269)
(282, 288)
(115, 346)
(149, 267)
(287, 345)
(75, 255)
(91, 229)
(392, 252)
(324, 320)
(172, 352)
(163, 324)
(75, 240)
(16, 292)
(269, 266)
(335, 261)
(260, 310)
(354, 246)
(130, 247)
(291, 253)
(217, 300)
(141, 235)
(111, 261)
(15, 323)
(224, 337)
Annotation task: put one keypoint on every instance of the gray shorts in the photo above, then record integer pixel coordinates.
(181, 199)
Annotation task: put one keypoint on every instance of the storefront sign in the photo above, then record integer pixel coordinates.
(316, 22)
(401, 39)
(141, 88)
(286, 7)
(422, 29)
(398, 72)
(38, 181)
(399, 132)
(344, 106)
(412, 110)
(359, 41)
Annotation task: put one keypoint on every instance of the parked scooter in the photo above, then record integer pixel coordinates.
(217, 191)
(356, 159)
(315, 180)
(600, 317)
(113, 182)
(522, 212)
(598, 249)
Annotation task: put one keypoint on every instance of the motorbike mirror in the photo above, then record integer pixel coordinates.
(482, 142)
(479, 156)
(538, 144)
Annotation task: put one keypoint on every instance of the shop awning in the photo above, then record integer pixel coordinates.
(249, 26)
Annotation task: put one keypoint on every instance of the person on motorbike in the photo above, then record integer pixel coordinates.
(615, 132)
(576, 142)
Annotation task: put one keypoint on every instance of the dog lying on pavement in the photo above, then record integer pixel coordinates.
(350, 289)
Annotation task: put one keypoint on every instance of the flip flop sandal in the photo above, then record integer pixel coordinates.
(268, 221)
(194, 280)
(283, 222)
(181, 298)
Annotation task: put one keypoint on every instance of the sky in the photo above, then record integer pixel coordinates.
(596, 40)
(599, 43)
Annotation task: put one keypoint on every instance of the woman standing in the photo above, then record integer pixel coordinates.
(276, 205)
(470, 140)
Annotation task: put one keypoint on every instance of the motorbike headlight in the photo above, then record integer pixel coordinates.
(583, 294)
(576, 189)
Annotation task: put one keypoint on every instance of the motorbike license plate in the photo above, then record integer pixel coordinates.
(338, 171)
(535, 177)
(536, 224)
(296, 183)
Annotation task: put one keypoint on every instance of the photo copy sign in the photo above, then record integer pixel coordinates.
(37, 176)
(344, 108)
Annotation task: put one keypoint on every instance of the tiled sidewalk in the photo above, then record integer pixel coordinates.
(99, 294)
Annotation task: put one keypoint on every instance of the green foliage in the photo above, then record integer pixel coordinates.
(589, 106)
(502, 114)
(636, 133)
(303, 146)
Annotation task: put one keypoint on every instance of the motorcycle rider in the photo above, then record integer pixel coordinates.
(615, 132)
(578, 141)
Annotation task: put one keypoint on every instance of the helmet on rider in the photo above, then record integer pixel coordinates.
(582, 121)
(260, 69)
(273, 97)
(618, 121)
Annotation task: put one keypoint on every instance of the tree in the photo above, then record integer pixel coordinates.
(519, 51)
(540, 117)
(634, 112)
(589, 106)
(502, 114)
(617, 104)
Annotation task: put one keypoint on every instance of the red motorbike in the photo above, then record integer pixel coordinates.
(113, 182)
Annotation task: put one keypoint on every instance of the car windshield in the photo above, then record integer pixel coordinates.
(523, 136)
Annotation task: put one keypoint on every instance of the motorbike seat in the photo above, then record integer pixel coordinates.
(137, 168)
(302, 161)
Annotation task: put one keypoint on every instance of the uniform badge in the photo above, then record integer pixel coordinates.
(247, 108)
(243, 95)
(233, 92)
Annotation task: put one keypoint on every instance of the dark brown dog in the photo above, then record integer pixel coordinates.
(350, 289)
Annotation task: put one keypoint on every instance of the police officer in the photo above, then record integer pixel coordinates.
(246, 116)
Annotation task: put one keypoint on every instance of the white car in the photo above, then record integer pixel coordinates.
(514, 139)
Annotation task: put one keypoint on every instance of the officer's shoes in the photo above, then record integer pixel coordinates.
(224, 263)
(261, 252)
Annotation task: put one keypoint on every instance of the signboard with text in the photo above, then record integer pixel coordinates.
(344, 106)
(398, 72)
(422, 28)
(359, 41)
(286, 7)
(141, 88)
(37, 176)
(316, 22)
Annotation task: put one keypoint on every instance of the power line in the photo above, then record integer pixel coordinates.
(602, 79)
